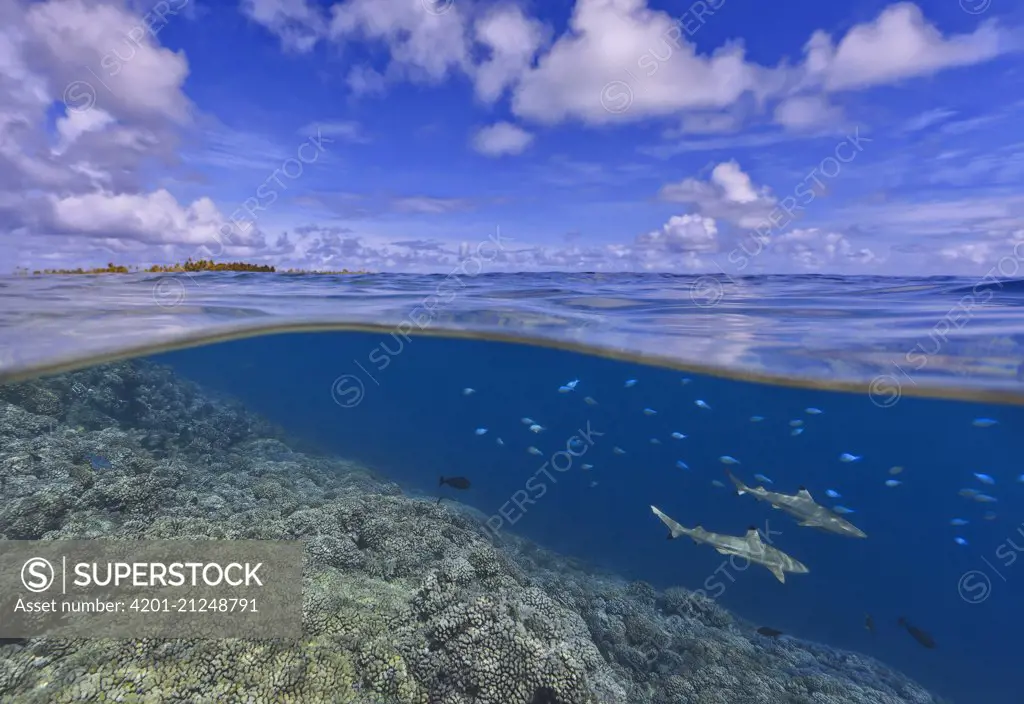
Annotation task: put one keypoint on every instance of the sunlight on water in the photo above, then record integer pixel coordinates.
(480, 521)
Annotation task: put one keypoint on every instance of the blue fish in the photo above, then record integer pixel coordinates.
(756, 419)
(984, 478)
(959, 522)
(983, 422)
(796, 423)
(618, 451)
(98, 462)
(680, 436)
(847, 457)
(727, 459)
(480, 431)
(630, 382)
(702, 404)
(833, 494)
(501, 442)
(468, 391)
(682, 465)
(763, 479)
(893, 482)
(843, 509)
(685, 380)
(959, 541)
(590, 401)
(650, 412)
(796, 431)
(655, 441)
(813, 411)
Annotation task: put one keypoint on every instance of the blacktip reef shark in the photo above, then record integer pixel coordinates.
(803, 507)
(749, 546)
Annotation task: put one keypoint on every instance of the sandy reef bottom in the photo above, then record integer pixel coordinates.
(404, 601)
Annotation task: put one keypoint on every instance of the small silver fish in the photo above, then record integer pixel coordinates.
(968, 493)
(630, 382)
(796, 431)
(572, 384)
(726, 459)
(573, 443)
(501, 442)
(984, 478)
(959, 522)
(847, 457)
(587, 467)
(593, 484)
(468, 391)
(796, 423)
(959, 541)
(536, 428)
(680, 436)
(655, 441)
(756, 419)
(702, 404)
(983, 422)
(685, 380)
(650, 412)
(813, 411)
(833, 494)
(481, 431)
(985, 499)
(533, 450)
(892, 482)
(842, 509)
(526, 421)
(590, 401)
(715, 482)
(990, 516)
(618, 451)
(682, 465)
(763, 479)
(564, 389)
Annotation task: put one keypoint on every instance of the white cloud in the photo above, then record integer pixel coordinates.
(900, 43)
(154, 218)
(512, 40)
(807, 112)
(297, 23)
(683, 233)
(346, 130)
(501, 138)
(423, 45)
(814, 249)
(728, 194)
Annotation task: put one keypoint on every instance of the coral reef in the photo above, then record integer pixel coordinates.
(405, 601)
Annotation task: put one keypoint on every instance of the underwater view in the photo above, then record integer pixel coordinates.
(485, 518)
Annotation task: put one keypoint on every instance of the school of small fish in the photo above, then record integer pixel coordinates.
(797, 426)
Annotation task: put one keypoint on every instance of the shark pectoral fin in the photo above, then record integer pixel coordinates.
(722, 551)
(779, 574)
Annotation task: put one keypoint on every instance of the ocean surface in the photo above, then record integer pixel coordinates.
(903, 398)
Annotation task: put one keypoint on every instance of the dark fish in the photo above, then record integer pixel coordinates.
(770, 632)
(869, 623)
(455, 482)
(919, 635)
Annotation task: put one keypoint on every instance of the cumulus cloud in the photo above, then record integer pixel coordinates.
(683, 233)
(813, 249)
(807, 112)
(729, 194)
(900, 43)
(501, 138)
(123, 108)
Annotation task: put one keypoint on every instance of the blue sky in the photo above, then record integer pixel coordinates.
(608, 135)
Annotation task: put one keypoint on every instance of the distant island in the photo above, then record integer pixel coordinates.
(189, 265)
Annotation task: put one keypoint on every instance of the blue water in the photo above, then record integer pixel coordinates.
(400, 408)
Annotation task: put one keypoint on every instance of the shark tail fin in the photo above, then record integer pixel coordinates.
(741, 488)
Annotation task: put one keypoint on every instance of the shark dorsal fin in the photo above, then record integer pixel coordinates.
(753, 537)
(804, 494)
